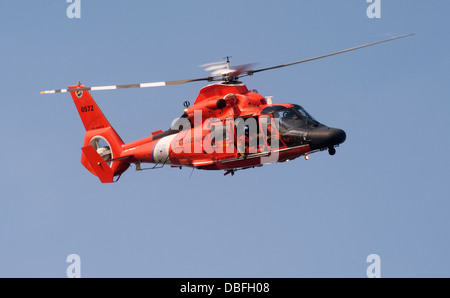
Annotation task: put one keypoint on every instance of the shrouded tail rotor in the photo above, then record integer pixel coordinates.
(103, 148)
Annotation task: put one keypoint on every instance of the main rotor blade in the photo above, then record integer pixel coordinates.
(141, 85)
(251, 72)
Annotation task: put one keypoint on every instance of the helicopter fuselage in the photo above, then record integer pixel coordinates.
(230, 127)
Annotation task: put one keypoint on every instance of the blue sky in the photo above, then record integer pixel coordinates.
(385, 192)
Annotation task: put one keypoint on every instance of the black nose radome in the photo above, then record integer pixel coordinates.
(326, 137)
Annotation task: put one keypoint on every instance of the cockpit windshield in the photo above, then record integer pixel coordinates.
(290, 118)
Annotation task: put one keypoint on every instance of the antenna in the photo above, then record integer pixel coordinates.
(228, 62)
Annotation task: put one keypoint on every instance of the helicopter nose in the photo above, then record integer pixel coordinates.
(326, 137)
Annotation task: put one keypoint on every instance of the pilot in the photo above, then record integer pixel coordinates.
(289, 114)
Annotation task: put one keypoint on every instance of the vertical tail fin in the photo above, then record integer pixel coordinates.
(90, 114)
(107, 144)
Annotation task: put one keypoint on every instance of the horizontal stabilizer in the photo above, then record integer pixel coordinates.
(100, 167)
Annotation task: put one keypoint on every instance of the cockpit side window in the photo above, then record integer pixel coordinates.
(290, 118)
(304, 113)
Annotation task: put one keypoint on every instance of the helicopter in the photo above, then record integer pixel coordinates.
(229, 127)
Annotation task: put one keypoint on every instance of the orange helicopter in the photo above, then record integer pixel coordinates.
(227, 128)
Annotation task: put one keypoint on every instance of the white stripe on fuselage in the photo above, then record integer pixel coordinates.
(162, 150)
